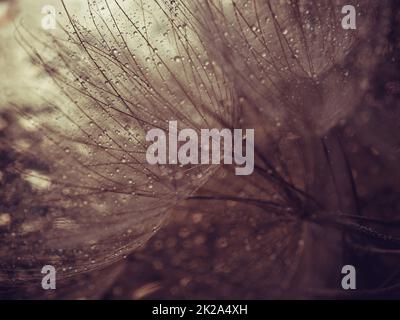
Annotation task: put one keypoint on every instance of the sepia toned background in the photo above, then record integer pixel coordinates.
(215, 241)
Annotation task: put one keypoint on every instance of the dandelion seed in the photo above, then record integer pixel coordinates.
(276, 66)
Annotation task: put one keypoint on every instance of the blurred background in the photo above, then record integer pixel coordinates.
(224, 249)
